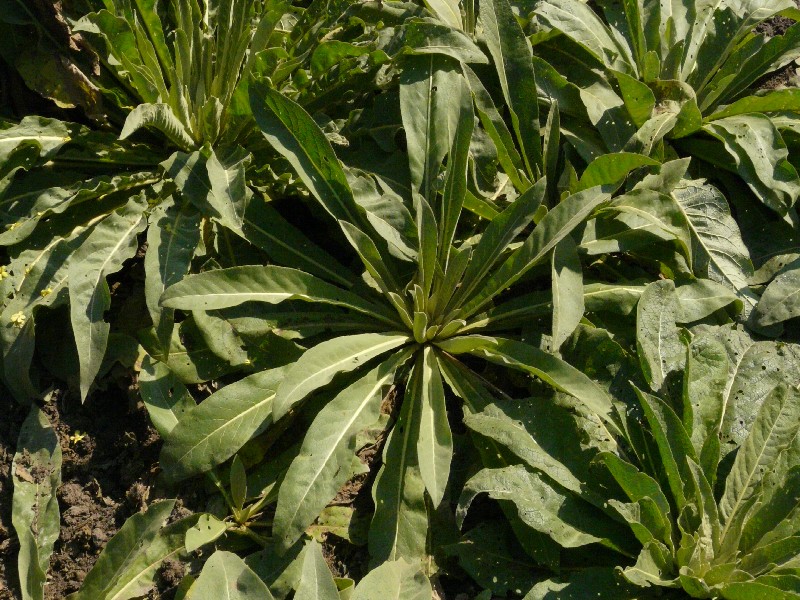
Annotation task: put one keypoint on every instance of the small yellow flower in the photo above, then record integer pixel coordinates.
(18, 319)
(45, 292)
(3, 272)
(78, 436)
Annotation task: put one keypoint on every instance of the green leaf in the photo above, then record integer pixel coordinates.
(777, 517)
(530, 359)
(755, 368)
(214, 183)
(36, 475)
(394, 580)
(377, 266)
(435, 441)
(322, 465)
(111, 243)
(674, 445)
(223, 288)
(541, 434)
(781, 300)
(217, 428)
(158, 116)
(703, 399)
(702, 297)
(281, 572)
(497, 237)
(718, 251)
(568, 305)
(238, 482)
(490, 556)
(772, 101)
(426, 36)
(316, 582)
(431, 92)
(447, 11)
(512, 57)
(761, 158)
(755, 590)
(658, 342)
(555, 226)
(48, 136)
(638, 97)
(455, 184)
(172, 238)
(297, 137)
(495, 127)
(399, 529)
(128, 565)
(167, 400)
(545, 507)
(611, 169)
(772, 432)
(225, 575)
(319, 365)
(207, 529)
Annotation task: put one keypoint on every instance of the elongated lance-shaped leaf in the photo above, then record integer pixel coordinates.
(455, 184)
(394, 580)
(556, 224)
(657, 338)
(399, 527)
(376, 265)
(772, 432)
(294, 134)
(319, 365)
(499, 234)
(172, 237)
(703, 405)
(223, 288)
(639, 486)
(513, 60)
(167, 400)
(111, 243)
(36, 473)
(316, 581)
(429, 242)
(674, 445)
(322, 466)
(530, 359)
(431, 92)
(216, 429)
(225, 576)
(128, 565)
(435, 442)
(567, 276)
(265, 228)
(495, 127)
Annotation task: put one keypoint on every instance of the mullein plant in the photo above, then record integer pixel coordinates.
(699, 493)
